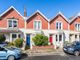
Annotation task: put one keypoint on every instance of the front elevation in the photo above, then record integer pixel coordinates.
(58, 29)
(10, 24)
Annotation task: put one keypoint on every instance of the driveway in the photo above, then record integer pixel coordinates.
(51, 57)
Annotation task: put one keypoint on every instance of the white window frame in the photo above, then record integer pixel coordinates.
(58, 37)
(12, 23)
(58, 25)
(77, 28)
(17, 36)
(40, 24)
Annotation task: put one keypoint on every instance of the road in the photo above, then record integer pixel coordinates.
(51, 57)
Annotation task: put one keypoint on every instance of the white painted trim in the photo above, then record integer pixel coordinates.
(16, 35)
(48, 25)
(77, 26)
(25, 24)
(61, 25)
(39, 13)
(10, 9)
(68, 26)
(40, 25)
(61, 15)
(78, 14)
(12, 23)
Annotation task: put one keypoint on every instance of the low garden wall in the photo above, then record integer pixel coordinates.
(43, 47)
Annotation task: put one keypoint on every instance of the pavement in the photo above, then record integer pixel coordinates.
(44, 52)
(47, 55)
(51, 57)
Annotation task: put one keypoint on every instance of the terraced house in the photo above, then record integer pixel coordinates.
(58, 29)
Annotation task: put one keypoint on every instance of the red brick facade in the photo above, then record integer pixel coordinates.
(37, 16)
(61, 19)
(11, 14)
(72, 24)
(30, 22)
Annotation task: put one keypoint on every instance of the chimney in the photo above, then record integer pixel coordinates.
(25, 12)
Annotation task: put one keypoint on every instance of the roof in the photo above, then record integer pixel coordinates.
(73, 18)
(10, 9)
(39, 13)
(59, 13)
(26, 18)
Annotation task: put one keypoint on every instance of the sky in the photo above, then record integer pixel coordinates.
(48, 7)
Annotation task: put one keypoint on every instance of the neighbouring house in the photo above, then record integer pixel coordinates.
(75, 28)
(58, 29)
(11, 24)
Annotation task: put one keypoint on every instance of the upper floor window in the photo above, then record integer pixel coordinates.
(37, 25)
(77, 26)
(58, 25)
(12, 23)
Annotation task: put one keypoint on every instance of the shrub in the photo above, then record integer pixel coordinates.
(66, 43)
(2, 38)
(11, 44)
(40, 40)
(27, 47)
(18, 42)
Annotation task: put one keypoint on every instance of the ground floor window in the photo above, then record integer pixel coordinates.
(79, 37)
(75, 36)
(59, 37)
(19, 35)
(56, 38)
(15, 36)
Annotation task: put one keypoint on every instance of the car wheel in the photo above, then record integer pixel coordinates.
(11, 57)
(76, 53)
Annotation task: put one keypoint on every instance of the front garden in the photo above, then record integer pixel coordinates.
(41, 42)
(17, 43)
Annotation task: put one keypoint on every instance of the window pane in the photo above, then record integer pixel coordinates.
(14, 23)
(75, 36)
(35, 24)
(76, 26)
(14, 36)
(79, 26)
(10, 23)
(56, 38)
(39, 25)
(57, 25)
(60, 37)
(19, 36)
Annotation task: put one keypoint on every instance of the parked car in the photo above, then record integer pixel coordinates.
(74, 48)
(9, 53)
(3, 44)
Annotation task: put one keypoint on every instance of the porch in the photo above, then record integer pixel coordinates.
(11, 34)
(74, 37)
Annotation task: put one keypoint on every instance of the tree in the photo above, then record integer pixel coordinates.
(40, 40)
(2, 38)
